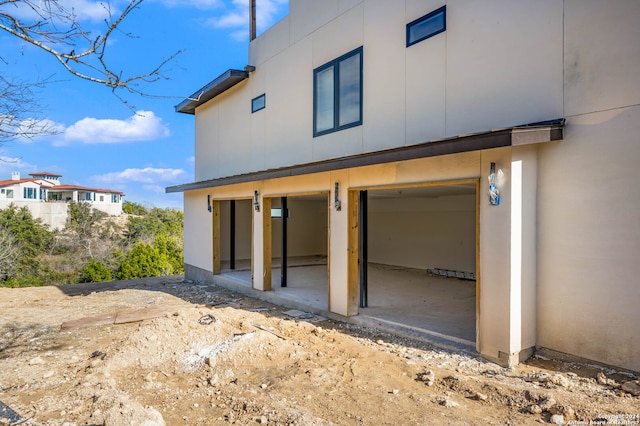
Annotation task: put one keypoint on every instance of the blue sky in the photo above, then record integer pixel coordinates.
(142, 148)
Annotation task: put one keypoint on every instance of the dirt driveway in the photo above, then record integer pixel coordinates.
(161, 351)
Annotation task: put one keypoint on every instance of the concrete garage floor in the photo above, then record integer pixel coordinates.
(402, 300)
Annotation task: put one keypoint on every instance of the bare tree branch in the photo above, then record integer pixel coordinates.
(19, 111)
(9, 251)
(57, 31)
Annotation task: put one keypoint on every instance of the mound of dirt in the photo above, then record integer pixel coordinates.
(201, 355)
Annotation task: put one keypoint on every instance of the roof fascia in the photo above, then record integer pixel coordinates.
(221, 84)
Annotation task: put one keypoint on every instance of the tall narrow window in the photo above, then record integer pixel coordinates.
(427, 26)
(337, 94)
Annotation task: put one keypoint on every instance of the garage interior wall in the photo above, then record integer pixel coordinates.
(307, 227)
(422, 232)
(243, 229)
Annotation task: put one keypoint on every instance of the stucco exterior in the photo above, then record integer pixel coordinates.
(556, 260)
(46, 198)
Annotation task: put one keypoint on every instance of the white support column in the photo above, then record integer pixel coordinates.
(343, 250)
(524, 177)
(507, 297)
(261, 242)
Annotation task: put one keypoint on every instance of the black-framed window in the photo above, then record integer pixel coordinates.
(258, 103)
(337, 94)
(427, 26)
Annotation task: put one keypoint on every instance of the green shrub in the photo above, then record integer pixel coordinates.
(144, 260)
(95, 272)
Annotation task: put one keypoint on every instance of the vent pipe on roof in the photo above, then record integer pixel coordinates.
(252, 20)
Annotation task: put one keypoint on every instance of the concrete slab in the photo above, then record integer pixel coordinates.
(402, 300)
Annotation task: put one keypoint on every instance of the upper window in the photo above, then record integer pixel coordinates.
(29, 193)
(258, 103)
(429, 25)
(337, 94)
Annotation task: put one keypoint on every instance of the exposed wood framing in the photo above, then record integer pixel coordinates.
(353, 270)
(266, 242)
(215, 226)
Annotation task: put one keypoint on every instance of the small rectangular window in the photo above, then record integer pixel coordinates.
(337, 94)
(2, 191)
(9, 193)
(427, 26)
(258, 103)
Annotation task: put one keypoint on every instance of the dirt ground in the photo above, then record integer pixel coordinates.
(208, 356)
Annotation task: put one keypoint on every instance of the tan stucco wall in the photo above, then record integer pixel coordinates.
(411, 95)
(422, 233)
(558, 257)
(589, 239)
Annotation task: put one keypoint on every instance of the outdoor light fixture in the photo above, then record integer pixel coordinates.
(256, 203)
(336, 200)
(494, 193)
(209, 203)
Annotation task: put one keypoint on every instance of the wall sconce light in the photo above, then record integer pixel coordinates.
(336, 200)
(256, 202)
(209, 203)
(494, 193)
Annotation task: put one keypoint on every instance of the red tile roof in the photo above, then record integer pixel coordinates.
(10, 182)
(82, 188)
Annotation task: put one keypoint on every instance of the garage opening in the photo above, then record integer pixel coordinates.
(235, 238)
(300, 247)
(418, 258)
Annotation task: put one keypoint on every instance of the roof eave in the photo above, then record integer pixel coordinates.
(221, 84)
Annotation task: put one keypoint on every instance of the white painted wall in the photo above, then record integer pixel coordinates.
(307, 228)
(589, 192)
(411, 95)
(589, 239)
(242, 230)
(424, 232)
(198, 231)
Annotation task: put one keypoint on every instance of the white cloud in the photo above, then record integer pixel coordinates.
(84, 10)
(89, 10)
(154, 188)
(143, 125)
(149, 176)
(14, 164)
(236, 16)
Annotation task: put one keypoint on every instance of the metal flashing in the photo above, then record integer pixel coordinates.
(221, 84)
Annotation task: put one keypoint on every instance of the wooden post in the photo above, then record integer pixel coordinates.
(352, 274)
(266, 242)
(215, 217)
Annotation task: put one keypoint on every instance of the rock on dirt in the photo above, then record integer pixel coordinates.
(171, 363)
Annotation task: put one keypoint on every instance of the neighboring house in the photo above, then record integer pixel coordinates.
(47, 198)
(386, 127)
